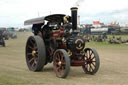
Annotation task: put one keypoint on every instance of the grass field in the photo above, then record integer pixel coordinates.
(123, 37)
(13, 69)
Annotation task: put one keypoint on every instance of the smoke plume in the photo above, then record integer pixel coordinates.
(78, 3)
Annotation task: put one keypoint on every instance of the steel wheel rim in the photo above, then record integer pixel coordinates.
(91, 61)
(59, 63)
(31, 53)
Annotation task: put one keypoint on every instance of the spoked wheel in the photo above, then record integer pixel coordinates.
(61, 63)
(35, 53)
(92, 61)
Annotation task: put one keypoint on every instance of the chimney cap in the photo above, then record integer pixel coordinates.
(74, 8)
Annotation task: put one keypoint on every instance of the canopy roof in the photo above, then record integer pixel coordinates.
(50, 18)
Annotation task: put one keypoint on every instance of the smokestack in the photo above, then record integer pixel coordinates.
(74, 17)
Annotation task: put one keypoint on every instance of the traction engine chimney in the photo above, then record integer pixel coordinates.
(74, 17)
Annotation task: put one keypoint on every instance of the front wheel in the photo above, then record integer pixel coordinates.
(92, 61)
(61, 63)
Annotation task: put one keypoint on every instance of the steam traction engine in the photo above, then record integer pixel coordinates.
(56, 40)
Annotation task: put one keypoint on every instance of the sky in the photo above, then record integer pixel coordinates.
(13, 13)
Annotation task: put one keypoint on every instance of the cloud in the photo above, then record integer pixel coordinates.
(15, 12)
(120, 15)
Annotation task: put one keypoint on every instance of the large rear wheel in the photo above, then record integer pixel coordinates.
(35, 53)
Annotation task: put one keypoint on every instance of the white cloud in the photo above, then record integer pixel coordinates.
(14, 12)
(96, 6)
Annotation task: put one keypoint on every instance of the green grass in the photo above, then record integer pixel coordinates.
(105, 44)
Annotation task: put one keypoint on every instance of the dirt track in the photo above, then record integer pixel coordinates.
(13, 69)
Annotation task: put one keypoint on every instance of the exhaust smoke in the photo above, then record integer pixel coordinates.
(78, 3)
